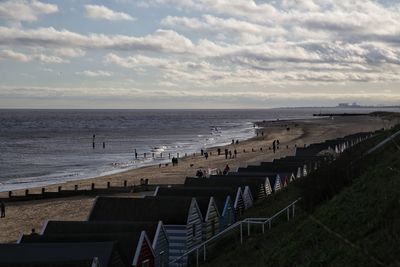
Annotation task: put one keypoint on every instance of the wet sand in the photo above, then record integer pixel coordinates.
(23, 216)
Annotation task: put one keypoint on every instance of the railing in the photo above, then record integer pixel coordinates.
(249, 221)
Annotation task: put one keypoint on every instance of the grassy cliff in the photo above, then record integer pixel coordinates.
(354, 224)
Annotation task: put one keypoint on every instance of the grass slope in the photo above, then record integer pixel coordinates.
(360, 226)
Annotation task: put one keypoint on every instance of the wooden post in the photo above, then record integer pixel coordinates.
(92, 186)
(43, 190)
(248, 228)
(76, 187)
(125, 183)
(108, 185)
(9, 194)
(263, 228)
(204, 253)
(59, 189)
(26, 192)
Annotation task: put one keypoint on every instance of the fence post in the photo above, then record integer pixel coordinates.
(197, 257)
(26, 192)
(248, 228)
(76, 187)
(92, 186)
(59, 189)
(288, 213)
(9, 194)
(108, 185)
(241, 233)
(204, 254)
(125, 183)
(263, 228)
(293, 210)
(43, 190)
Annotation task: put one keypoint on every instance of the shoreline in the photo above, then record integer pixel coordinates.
(154, 161)
(23, 216)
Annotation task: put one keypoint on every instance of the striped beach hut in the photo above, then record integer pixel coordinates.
(96, 254)
(154, 230)
(209, 212)
(222, 197)
(135, 246)
(181, 217)
(243, 201)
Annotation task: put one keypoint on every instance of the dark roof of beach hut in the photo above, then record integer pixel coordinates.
(173, 211)
(202, 202)
(60, 254)
(99, 227)
(219, 194)
(254, 186)
(127, 242)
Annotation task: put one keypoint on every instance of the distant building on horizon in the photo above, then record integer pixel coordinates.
(348, 105)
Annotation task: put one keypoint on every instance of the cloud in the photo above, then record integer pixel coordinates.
(21, 57)
(95, 73)
(102, 12)
(195, 98)
(160, 41)
(25, 11)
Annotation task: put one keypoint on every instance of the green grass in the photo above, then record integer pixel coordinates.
(359, 226)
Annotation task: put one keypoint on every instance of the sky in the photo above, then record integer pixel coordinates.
(198, 53)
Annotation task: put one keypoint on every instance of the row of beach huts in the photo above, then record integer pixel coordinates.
(156, 230)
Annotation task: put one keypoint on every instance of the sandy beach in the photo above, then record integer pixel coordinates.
(21, 217)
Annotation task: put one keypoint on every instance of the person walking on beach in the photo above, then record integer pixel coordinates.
(206, 155)
(3, 210)
(235, 152)
(226, 153)
(219, 151)
(202, 152)
(230, 154)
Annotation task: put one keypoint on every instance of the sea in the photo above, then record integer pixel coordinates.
(43, 147)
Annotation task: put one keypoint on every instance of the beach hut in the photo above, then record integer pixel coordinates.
(222, 197)
(256, 183)
(135, 246)
(243, 201)
(297, 168)
(181, 217)
(209, 212)
(272, 168)
(89, 254)
(154, 230)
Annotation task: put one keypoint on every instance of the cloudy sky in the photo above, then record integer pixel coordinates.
(198, 53)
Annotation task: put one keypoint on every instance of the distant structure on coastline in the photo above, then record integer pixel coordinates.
(355, 105)
(348, 105)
